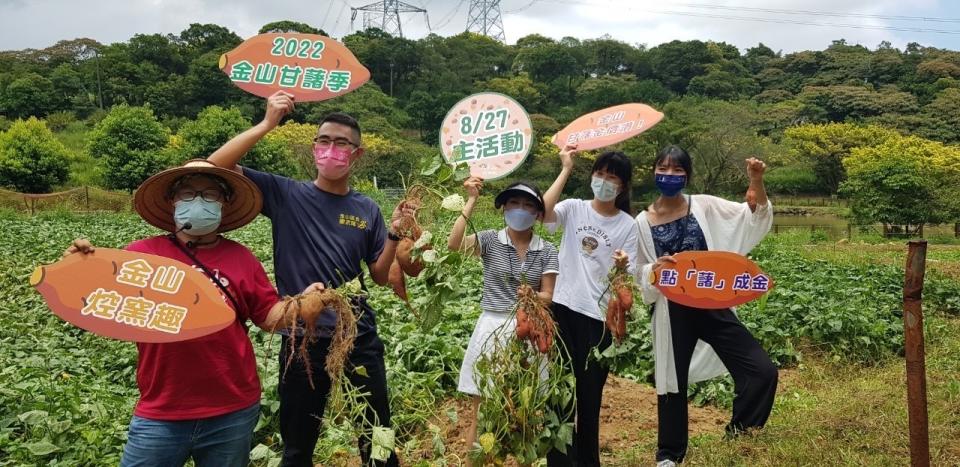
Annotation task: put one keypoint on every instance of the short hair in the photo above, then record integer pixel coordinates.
(342, 119)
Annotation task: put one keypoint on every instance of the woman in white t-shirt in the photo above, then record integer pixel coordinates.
(593, 232)
(512, 257)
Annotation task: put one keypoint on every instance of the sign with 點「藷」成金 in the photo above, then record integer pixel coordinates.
(311, 67)
(608, 126)
(133, 296)
(711, 280)
(488, 131)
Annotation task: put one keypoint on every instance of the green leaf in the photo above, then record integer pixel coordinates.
(361, 370)
(383, 443)
(42, 448)
(260, 452)
(33, 417)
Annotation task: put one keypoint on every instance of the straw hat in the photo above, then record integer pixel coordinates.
(153, 204)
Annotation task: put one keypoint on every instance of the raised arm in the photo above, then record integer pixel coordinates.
(756, 193)
(457, 240)
(278, 105)
(552, 196)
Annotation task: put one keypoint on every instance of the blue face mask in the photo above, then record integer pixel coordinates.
(203, 216)
(519, 219)
(670, 185)
(603, 189)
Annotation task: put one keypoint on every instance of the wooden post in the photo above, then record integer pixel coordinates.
(86, 196)
(849, 232)
(913, 346)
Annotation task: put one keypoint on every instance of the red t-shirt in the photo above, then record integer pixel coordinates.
(214, 374)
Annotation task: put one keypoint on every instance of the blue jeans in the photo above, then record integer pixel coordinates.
(218, 441)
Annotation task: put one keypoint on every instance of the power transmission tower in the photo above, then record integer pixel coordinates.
(385, 15)
(485, 19)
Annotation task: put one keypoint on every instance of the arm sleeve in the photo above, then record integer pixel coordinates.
(551, 261)
(562, 210)
(484, 237)
(259, 295)
(376, 236)
(744, 228)
(274, 188)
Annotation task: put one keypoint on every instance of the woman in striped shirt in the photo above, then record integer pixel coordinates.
(511, 257)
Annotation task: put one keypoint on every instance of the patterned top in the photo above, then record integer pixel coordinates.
(683, 234)
(502, 268)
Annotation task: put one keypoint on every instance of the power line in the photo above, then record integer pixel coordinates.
(769, 19)
(523, 8)
(445, 20)
(712, 6)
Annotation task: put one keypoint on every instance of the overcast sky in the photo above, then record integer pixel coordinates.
(744, 23)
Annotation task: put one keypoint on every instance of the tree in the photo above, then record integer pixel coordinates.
(856, 102)
(826, 146)
(130, 142)
(675, 63)
(940, 119)
(605, 91)
(203, 38)
(215, 126)
(520, 87)
(905, 180)
(291, 26)
(719, 135)
(720, 84)
(376, 111)
(32, 160)
(28, 95)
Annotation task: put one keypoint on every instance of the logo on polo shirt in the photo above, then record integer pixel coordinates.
(353, 221)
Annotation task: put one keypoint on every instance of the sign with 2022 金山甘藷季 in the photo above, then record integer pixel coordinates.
(133, 296)
(311, 67)
(488, 131)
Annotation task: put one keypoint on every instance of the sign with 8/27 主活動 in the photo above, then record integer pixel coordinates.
(490, 132)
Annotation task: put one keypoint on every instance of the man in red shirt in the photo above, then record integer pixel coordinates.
(200, 398)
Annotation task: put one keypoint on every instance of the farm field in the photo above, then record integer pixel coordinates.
(833, 325)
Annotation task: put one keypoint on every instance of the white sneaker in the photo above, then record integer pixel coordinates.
(666, 463)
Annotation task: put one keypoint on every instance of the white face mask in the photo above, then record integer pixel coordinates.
(603, 189)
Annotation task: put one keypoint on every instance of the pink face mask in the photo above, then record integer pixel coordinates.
(332, 162)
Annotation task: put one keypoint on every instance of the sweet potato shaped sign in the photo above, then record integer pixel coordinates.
(711, 280)
(133, 296)
(608, 126)
(490, 132)
(309, 66)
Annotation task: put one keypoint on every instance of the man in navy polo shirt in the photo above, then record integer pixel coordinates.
(322, 230)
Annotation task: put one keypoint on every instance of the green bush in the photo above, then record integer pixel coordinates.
(793, 181)
(132, 145)
(31, 159)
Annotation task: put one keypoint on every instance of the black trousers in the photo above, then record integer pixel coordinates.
(301, 406)
(754, 375)
(580, 334)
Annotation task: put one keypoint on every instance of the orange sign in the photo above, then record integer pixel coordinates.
(309, 66)
(133, 296)
(711, 280)
(489, 131)
(608, 126)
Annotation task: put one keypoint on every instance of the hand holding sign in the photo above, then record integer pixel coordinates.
(710, 279)
(131, 296)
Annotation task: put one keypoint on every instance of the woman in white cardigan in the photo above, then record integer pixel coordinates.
(691, 344)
